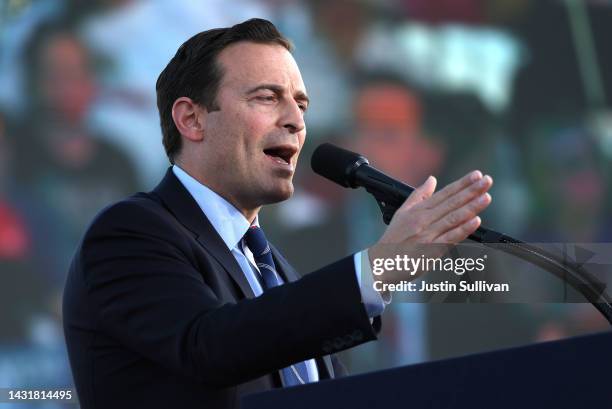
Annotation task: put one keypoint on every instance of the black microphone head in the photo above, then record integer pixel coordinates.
(336, 164)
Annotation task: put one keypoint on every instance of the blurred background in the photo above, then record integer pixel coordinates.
(517, 88)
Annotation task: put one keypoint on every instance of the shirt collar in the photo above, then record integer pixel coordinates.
(225, 218)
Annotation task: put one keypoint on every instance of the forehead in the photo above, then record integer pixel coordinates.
(246, 63)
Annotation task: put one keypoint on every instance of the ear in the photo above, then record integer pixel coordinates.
(189, 118)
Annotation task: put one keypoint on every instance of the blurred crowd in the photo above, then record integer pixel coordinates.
(520, 89)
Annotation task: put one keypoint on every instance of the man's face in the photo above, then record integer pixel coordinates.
(251, 144)
(66, 82)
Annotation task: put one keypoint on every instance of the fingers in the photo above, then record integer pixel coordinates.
(426, 215)
(454, 188)
(459, 200)
(459, 233)
(459, 216)
(421, 193)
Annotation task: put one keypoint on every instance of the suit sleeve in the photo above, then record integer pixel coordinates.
(148, 295)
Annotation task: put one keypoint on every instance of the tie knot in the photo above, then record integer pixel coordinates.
(257, 242)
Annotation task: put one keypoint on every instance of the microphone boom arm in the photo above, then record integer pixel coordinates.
(350, 169)
(381, 186)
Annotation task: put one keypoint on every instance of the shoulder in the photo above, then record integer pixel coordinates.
(138, 227)
(139, 212)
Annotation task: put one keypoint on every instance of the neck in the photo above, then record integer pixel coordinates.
(249, 215)
(249, 212)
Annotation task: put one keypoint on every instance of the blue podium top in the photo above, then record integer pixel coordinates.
(571, 373)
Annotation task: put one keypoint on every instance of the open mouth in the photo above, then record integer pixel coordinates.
(281, 154)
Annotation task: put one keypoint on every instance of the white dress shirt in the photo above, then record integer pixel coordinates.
(232, 225)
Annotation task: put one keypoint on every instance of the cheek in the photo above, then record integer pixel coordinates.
(258, 120)
(254, 127)
(301, 140)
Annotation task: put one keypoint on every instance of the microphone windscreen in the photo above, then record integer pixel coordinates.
(335, 163)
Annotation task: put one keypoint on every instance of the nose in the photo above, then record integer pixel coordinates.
(293, 117)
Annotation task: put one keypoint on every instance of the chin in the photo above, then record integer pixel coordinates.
(279, 194)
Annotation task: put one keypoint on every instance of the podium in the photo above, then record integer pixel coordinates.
(571, 373)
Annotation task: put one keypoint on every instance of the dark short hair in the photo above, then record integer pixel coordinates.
(194, 72)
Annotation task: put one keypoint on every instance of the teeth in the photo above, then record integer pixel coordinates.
(281, 160)
(277, 156)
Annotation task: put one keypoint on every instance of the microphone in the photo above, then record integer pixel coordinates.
(350, 169)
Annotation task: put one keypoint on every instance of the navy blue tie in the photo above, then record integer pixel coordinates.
(255, 239)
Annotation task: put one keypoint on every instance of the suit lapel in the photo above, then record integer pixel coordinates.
(185, 209)
(181, 204)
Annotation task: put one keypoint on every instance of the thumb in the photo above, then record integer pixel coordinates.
(422, 192)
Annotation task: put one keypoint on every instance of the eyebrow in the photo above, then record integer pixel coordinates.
(299, 95)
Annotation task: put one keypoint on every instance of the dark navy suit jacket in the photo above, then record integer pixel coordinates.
(158, 313)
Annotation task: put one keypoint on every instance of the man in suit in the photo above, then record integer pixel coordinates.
(175, 298)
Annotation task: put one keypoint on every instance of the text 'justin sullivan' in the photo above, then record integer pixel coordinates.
(445, 286)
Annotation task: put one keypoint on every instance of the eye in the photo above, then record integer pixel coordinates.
(266, 98)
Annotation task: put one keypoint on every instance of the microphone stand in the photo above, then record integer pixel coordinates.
(569, 271)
